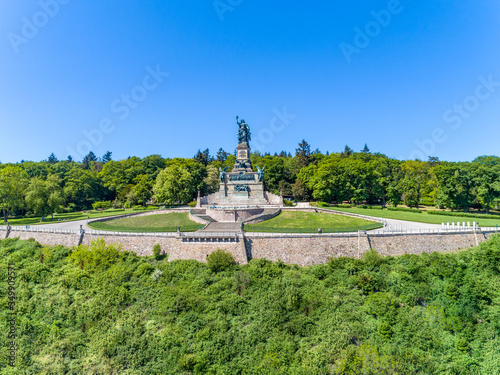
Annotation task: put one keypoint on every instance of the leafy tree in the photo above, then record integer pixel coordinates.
(212, 180)
(278, 175)
(175, 184)
(141, 192)
(117, 174)
(83, 187)
(13, 183)
(300, 191)
(152, 165)
(416, 175)
(44, 197)
(486, 174)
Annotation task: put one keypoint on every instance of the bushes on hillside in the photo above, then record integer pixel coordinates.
(98, 255)
(411, 314)
(220, 260)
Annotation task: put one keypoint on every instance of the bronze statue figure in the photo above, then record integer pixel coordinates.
(260, 173)
(244, 135)
(222, 175)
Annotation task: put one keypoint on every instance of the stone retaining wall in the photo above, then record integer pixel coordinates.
(296, 249)
(201, 250)
(47, 238)
(303, 251)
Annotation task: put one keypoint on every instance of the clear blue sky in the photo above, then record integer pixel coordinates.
(63, 71)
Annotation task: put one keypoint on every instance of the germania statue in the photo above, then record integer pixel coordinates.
(244, 135)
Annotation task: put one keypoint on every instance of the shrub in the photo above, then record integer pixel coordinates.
(220, 260)
(144, 208)
(414, 210)
(71, 207)
(144, 269)
(102, 205)
(288, 203)
(465, 214)
(192, 204)
(342, 205)
(156, 275)
(157, 251)
(323, 204)
(426, 202)
(98, 255)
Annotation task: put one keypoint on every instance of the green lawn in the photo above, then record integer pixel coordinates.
(152, 223)
(421, 218)
(73, 216)
(300, 222)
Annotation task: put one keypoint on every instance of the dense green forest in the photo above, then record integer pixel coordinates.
(42, 188)
(103, 311)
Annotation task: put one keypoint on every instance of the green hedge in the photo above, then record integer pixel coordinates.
(465, 214)
(342, 205)
(323, 204)
(144, 208)
(102, 205)
(414, 210)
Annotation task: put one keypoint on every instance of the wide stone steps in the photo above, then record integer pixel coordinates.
(222, 227)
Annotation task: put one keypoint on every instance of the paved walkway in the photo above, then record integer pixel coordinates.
(69, 225)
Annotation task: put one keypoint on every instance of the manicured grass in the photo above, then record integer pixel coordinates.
(73, 216)
(304, 222)
(152, 223)
(421, 218)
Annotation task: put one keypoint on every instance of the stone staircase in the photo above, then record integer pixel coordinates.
(216, 226)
